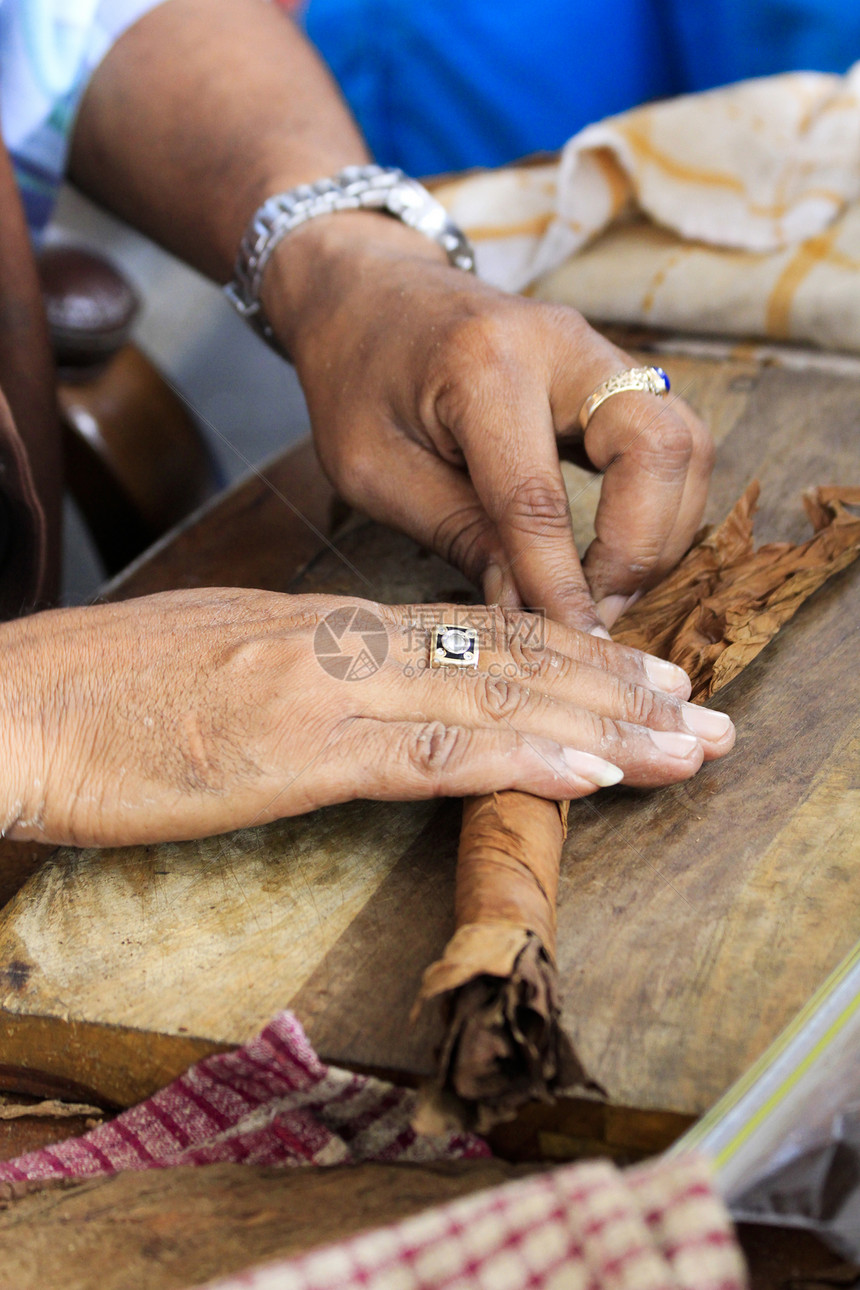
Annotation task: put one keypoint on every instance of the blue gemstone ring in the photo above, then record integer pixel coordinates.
(647, 380)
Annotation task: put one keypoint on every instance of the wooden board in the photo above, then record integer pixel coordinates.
(693, 921)
(176, 1228)
(170, 1229)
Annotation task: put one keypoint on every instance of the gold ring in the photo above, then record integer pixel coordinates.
(650, 380)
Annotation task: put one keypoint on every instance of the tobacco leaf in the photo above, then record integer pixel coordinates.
(725, 600)
(504, 1044)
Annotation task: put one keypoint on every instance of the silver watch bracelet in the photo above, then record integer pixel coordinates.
(370, 187)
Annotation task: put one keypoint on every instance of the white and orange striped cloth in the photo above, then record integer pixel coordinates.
(273, 1102)
(732, 212)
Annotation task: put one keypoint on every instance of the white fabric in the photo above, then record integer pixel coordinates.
(735, 212)
(758, 166)
(48, 51)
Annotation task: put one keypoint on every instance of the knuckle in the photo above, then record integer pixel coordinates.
(643, 558)
(575, 596)
(566, 336)
(606, 735)
(641, 705)
(569, 322)
(523, 637)
(434, 748)
(537, 503)
(387, 614)
(574, 591)
(481, 336)
(305, 613)
(501, 698)
(461, 538)
(498, 622)
(662, 444)
(479, 341)
(512, 625)
(541, 663)
(668, 447)
(552, 664)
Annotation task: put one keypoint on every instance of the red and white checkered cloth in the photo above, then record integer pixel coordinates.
(583, 1227)
(270, 1102)
(273, 1102)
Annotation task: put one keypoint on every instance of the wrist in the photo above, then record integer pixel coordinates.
(354, 191)
(318, 267)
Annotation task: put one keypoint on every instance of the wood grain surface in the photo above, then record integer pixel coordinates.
(693, 921)
(170, 1229)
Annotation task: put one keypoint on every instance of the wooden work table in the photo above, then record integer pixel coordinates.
(694, 921)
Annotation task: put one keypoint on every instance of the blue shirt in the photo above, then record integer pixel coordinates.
(439, 86)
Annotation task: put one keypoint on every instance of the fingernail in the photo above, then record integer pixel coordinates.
(674, 742)
(600, 631)
(612, 607)
(663, 674)
(499, 589)
(600, 772)
(706, 722)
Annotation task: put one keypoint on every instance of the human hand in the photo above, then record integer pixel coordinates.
(437, 403)
(190, 713)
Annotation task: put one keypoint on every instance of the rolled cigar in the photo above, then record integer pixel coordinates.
(504, 1043)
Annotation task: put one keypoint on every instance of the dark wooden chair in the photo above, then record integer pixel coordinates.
(136, 461)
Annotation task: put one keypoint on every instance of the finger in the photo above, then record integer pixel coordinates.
(520, 637)
(631, 666)
(537, 674)
(440, 509)
(650, 455)
(648, 756)
(682, 533)
(506, 431)
(694, 499)
(500, 588)
(411, 760)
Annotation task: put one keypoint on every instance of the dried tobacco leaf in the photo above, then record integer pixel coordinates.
(725, 600)
(504, 1044)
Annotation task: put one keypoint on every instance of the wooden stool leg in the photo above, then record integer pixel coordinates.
(136, 461)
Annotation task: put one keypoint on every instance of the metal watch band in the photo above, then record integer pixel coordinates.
(356, 188)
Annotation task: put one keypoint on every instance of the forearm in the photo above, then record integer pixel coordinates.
(200, 111)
